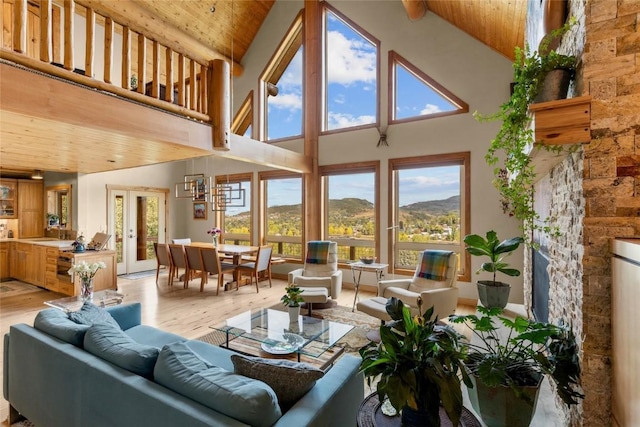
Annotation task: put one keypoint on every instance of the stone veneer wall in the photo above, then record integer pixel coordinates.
(595, 192)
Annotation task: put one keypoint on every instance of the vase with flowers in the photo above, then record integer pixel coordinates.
(86, 273)
(214, 232)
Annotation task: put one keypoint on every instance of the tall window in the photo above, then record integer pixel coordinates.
(281, 88)
(414, 95)
(236, 220)
(351, 64)
(430, 208)
(282, 207)
(350, 208)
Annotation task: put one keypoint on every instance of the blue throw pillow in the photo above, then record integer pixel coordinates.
(56, 323)
(245, 399)
(90, 314)
(112, 344)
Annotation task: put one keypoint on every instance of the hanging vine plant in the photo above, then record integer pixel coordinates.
(514, 174)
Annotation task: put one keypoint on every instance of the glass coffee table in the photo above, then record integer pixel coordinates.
(268, 333)
(100, 298)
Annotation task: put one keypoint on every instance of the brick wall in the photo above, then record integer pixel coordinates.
(595, 192)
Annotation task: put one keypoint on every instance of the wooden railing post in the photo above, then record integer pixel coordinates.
(90, 17)
(155, 82)
(20, 26)
(220, 103)
(192, 85)
(142, 63)
(69, 14)
(126, 58)
(108, 49)
(181, 80)
(168, 83)
(45, 30)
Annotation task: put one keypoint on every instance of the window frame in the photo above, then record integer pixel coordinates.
(273, 71)
(395, 58)
(221, 215)
(243, 118)
(449, 159)
(351, 169)
(324, 118)
(263, 177)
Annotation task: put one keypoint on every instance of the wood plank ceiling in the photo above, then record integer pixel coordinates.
(229, 27)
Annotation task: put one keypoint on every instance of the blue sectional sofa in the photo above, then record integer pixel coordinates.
(58, 373)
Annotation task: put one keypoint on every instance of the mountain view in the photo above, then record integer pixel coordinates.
(353, 217)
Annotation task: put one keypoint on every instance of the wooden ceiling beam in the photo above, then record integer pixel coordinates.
(415, 9)
(141, 20)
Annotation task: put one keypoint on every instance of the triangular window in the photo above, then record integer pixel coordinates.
(414, 95)
(243, 119)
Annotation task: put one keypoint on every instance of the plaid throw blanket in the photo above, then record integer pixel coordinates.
(317, 252)
(434, 264)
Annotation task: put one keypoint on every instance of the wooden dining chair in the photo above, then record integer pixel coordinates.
(179, 259)
(195, 265)
(262, 263)
(212, 265)
(163, 257)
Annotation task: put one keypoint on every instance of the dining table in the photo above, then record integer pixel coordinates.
(236, 252)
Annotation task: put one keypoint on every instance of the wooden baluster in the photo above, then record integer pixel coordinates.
(168, 83)
(203, 88)
(126, 58)
(69, 13)
(45, 31)
(192, 85)
(108, 49)
(19, 26)
(55, 33)
(155, 84)
(142, 62)
(181, 80)
(90, 16)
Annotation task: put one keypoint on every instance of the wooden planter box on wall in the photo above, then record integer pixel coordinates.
(566, 121)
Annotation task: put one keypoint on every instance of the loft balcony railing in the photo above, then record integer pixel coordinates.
(73, 42)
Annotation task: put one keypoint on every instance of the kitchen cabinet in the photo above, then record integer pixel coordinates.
(8, 198)
(5, 250)
(30, 209)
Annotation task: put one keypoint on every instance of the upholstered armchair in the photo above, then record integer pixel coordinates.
(320, 268)
(434, 281)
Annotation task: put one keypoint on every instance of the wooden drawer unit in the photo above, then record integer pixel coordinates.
(5, 254)
(51, 269)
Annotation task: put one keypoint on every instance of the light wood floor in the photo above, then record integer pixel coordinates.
(186, 312)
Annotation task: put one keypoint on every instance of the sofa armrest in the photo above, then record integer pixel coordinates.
(396, 283)
(336, 284)
(333, 401)
(295, 273)
(5, 368)
(127, 315)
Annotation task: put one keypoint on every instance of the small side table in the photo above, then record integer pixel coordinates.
(370, 415)
(100, 298)
(359, 267)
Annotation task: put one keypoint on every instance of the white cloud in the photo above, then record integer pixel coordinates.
(292, 77)
(430, 109)
(340, 99)
(350, 61)
(286, 101)
(342, 120)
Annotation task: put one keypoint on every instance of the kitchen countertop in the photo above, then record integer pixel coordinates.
(43, 241)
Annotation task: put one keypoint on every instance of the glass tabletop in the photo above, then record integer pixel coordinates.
(271, 330)
(100, 298)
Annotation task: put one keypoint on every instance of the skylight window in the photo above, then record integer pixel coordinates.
(416, 96)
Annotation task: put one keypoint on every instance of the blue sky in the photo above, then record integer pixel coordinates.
(351, 98)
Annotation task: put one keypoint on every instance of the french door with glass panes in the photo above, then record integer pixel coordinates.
(137, 220)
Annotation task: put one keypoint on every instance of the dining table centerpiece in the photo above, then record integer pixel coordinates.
(214, 232)
(86, 272)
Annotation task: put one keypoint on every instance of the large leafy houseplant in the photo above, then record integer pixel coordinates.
(493, 293)
(418, 361)
(519, 353)
(508, 152)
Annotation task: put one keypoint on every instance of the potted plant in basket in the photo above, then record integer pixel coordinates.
(292, 300)
(418, 361)
(507, 365)
(491, 292)
(508, 152)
